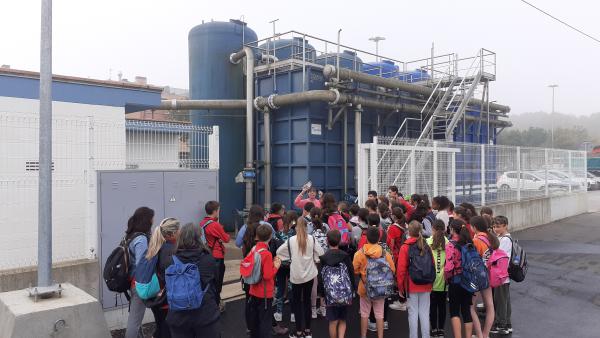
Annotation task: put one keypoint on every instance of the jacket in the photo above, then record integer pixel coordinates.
(409, 208)
(165, 258)
(239, 239)
(303, 267)
(403, 277)
(299, 202)
(208, 313)
(264, 289)
(360, 263)
(363, 237)
(394, 232)
(215, 237)
(276, 221)
(138, 246)
(453, 265)
(334, 257)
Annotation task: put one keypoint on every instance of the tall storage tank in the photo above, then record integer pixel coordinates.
(212, 76)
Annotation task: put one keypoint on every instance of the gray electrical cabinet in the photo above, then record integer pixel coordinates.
(179, 193)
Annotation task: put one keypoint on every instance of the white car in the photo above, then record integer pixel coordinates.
(529, 181)
(577, 183)
(594, 181)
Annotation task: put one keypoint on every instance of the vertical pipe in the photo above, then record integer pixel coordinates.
(570, 175)
(413, 178)
(346, 151)
(546, 189)
(519, 174)
(432, 60)
(483, 175)
(303, 62)
(337, 65)
(267, 144)
(453, 177)
(249, 120)
(435, 168)
(357, 142)
(374, 168)
(44, 273)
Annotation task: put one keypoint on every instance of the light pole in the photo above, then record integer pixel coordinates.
(376, 39)
(553, 86)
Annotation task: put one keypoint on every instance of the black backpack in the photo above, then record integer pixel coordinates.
(517, 265)
(420, 267)
(116, 268)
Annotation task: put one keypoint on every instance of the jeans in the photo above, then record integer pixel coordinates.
(137, 309)
(502, 305)
(437, 310)
(281, 281)
(260, 317)
(301, 305)
(219, 277)
(418, 312)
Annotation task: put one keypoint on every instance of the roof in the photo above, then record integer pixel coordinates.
(132, 96)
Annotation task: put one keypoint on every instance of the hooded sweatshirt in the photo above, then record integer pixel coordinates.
(208, 313)
(404, 279)
(334, 257)
(360, 263)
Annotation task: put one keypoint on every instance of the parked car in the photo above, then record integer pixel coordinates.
(554, 182)
(595, 185)
(528, 181)
(577, 183)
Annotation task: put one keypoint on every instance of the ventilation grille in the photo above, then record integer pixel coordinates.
(34, 166)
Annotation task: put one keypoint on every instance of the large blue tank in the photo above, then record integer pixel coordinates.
(348, 59)
(289, 48)
(385, 68)
(212, 76)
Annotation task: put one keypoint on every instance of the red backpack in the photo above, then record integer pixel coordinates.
(336, 221)
(398, 241)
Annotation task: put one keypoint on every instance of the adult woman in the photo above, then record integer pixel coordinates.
(138, 231)
(202, 322)
(302, 250)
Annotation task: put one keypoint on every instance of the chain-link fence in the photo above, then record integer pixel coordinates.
(82, 145)
(466, 172)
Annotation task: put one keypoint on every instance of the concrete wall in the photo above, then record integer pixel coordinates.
(530, 213)
(84, 274)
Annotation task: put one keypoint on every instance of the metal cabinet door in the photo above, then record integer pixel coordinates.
(186, 192)
(120, 193)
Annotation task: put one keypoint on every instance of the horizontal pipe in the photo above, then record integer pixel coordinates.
(331, 72)
(201, 104)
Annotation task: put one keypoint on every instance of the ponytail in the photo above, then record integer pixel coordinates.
(315, 217)
(415, 230)
(459, 227)
(167, 228)
(480, 223)
(438, 235)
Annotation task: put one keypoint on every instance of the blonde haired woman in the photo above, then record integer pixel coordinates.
(303, 251)
(162, 244)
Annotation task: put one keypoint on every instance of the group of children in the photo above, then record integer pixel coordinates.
(393, 253)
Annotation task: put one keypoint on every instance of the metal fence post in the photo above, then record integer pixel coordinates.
(570, 176)
(413, 178)
(435, 168)
(213, 149)
(518, 173)
(453, 177)
(483, 188)
(547, 190)
(374, 169)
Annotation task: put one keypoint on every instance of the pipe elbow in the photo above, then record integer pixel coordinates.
(329, 71)
(233, 58)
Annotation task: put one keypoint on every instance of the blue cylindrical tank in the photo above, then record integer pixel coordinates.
(348, 59)
(385, 68)
(289, 48)
(212, 76)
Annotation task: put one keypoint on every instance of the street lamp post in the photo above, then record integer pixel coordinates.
(376, 39)
(553, 86)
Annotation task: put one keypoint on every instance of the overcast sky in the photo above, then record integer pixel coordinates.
(149, 38)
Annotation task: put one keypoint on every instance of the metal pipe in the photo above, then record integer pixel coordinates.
(337, 63)
(235, 58)
(268, 58)
(267, 155)
(201, 104)
(357, 141)
(44, 273)
(330, 71)
(345, 152)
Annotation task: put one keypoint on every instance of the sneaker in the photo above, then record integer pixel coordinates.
(222, 306)
(278, 316)
(503, 331)
(441, 333)
(372, 327)
(307, 334)
(386, 325)
(480, 306)
(398, 306)
(293, 335)
(314, 313)
(292, 318)
(323, 311)
(495, 329)
(279, 330)
(509, 328)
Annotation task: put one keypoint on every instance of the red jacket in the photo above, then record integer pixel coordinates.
(363, 237)
(394, 232)
(402, 271)
(268, 273)
(215, 237)
(409, 208)
(276, 221)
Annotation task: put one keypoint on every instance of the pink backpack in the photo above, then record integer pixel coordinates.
(497, 264)
(336, 221)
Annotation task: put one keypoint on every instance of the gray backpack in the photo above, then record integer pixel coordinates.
(251, 267)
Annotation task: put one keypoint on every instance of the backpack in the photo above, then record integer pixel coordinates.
(497, 265)
(420, 267)
(337, 285)
(116, 267)
(203, 238)
(398, 241)
(379, 281)
(517, 266)
(184, 286)
(321, 238)
(474, 276)
(336, 221)
(251, 267)
(146, 280)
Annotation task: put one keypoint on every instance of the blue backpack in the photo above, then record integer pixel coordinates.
(380, 281)
(146, 281)
(474, 276)
(420, 266)
(184, 286)
(338, 288)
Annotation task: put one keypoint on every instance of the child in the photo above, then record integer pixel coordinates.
(215, 237)
(360, 227)
(372, 195)
(396, 236)
(306, 215)
(354, 208)
(372, 206)
(261, 294)
(320, 235)
(418, 294)
(460, 300)
(344, 210)
(437, 309)
(370, 250)
(275, 216)
(384, 214)
(336, 315)
(283, 274)
(312, 197)
(502, 293)
(441, 204)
